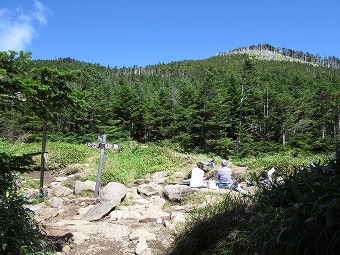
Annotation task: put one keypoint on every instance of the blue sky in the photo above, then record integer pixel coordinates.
(145, 32)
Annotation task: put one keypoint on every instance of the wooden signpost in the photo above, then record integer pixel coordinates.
(103, 145)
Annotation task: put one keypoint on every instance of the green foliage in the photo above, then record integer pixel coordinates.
(12, 65)
(58, 153)
(238, 104)
(19, 232)
(298, 215)
(134, 161)
(285, 163)
(63, 154)
(308, 200)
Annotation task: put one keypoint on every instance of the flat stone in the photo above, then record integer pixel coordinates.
(100, 210)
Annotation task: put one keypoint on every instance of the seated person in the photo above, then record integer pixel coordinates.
(224, 180)
(223, 176)
(197, 176)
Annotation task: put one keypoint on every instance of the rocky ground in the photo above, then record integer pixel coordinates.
(141, 219)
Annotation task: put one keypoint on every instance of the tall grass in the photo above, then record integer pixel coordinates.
(285, 163)
(58, 153)
(134, 161)
(298, 215)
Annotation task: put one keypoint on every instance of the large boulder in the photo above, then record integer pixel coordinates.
(177, 192)
(114, 191)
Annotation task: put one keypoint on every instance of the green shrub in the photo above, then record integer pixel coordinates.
(298, 215)
(19, 232)
(63, 154)
(309, 203)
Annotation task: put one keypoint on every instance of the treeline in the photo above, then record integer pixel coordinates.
(330, 62)
(227, 104)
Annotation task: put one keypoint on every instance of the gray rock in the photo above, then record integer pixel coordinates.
(132, 215)
(100, 210)
(176, 192)
(35, 208)
(161, 174)
(141, 246)
(159, 177)
(178, 175)
(56, 202)
(148, 251)
(79, 237)
(178, 217)
(114, 191)
(153, 216)
(47, 213)
(125, 214)
(60, 179)
(60, 191)
(159, 203)
(142, 181)
(141, 232)
(82, 211)
(86, 185)
(149, 189)
(116, 215)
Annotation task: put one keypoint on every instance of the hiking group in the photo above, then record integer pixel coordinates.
(222, 179)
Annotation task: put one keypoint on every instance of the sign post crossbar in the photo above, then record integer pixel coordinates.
(102, 146)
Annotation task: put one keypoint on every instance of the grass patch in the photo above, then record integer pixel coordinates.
(86, 193)
(58, 153)
(285, 163)
(134, 161)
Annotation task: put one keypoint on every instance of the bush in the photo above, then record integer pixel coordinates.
(300, 214)
(308, 201)
(19, 232)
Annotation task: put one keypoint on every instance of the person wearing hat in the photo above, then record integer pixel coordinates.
(223, 176)
(224, 180)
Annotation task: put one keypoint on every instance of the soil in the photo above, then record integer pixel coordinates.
(104, 237)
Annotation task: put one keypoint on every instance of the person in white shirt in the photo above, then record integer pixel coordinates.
(197, 176)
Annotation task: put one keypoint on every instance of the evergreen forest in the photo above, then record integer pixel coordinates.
(242, 102)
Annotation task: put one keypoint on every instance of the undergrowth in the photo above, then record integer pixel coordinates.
(298, 215)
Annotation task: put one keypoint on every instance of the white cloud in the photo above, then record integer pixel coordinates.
(19, 27)
(40, 12)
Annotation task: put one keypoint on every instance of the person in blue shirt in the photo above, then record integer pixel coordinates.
(224, 178)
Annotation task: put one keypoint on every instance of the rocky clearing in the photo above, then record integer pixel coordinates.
(122, 220)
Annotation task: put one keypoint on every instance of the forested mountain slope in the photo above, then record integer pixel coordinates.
(227, 104)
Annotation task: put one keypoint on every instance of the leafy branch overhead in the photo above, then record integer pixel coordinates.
(48, 91)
